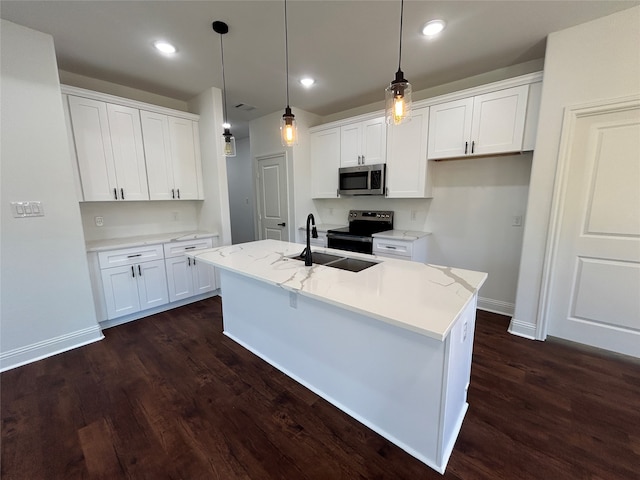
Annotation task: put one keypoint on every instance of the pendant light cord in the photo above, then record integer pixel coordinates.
(401, 16)
(224, 85)
(286, 48)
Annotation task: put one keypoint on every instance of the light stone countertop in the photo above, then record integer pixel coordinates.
(426, 299)
(138, 241)
(401, 234)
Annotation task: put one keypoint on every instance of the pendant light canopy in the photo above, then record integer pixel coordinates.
(288, 126)
(398, 93)
(229, 144)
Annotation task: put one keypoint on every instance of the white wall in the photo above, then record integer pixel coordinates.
(264, 135)
(241, 193)
(593, 61)
(47, 305)
(214, 212)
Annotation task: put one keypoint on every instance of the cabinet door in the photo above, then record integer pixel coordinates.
(184, 157)
(204, 277)
(325, 161)
(374, 141)
(179, 278)
(128, 152)
(450, 129)
(407, 164)
(350, 145)
(498, 121)
(152, 284)
(120, 290)
(157, 149)
(92, 140)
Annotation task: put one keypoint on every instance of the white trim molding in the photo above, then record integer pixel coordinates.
(522, 329)
(496, 306)
(49, 347)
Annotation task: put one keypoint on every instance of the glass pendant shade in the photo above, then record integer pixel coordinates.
(398, 100)
(229, 144)
(288, 129)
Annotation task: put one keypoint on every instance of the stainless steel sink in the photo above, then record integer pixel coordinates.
(335, 261)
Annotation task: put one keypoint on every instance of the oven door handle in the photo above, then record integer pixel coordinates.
(350, 238)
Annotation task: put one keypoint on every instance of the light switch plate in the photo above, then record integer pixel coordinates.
(27, 209)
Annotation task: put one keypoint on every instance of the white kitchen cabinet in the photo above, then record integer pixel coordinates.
(408, 169)
(325, 161)
(401, 245)
(133, 279)
(109, 149)
(486, 124)
(173, 158)
(187, 276)
(363, 143)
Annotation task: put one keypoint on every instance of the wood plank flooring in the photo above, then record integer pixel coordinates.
(170, 397)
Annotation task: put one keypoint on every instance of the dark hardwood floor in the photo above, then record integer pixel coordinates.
(170, 397)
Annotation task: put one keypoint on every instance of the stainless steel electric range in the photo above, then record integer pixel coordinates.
(357, 237)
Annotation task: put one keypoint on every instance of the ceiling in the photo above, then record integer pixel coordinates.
(350, 47)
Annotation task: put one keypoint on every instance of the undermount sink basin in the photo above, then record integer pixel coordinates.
(335, 261)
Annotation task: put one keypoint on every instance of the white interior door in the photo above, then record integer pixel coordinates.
(594, 268)
(272, 197)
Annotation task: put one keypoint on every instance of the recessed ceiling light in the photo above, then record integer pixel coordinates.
(307, 81)
(433, 27)
(164, 47)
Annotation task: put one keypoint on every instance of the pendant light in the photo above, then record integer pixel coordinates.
(398, 93)
(288, 126)
(229, 144)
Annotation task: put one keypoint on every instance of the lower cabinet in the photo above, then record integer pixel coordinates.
(414, 249)
(186, 276)
(134, 287)
(141, 278)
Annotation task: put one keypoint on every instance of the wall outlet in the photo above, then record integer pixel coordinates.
(175, 216)
(464, 330)
(516, 221)
(413, 214)
(99, 221)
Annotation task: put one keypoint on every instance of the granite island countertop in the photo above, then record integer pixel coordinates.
(423, 298)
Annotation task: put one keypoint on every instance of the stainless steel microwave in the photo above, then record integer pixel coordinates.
(362, 180)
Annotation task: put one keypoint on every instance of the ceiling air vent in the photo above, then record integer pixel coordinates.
(244, 107)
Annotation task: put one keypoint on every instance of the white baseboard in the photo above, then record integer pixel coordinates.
(49, 347)
(496, 306)
(522, 329)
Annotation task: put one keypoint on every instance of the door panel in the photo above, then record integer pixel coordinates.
(185, 160)
(272, 195)
(152, 284)
(157, 149)
(179, 278)
(450, 128)
(120, 291)
(128, 152)
(595, 273)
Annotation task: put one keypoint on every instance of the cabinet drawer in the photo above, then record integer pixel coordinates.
(129, 256)
(175, 249)
(394, 247)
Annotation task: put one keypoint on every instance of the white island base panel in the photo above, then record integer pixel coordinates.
(408, 387)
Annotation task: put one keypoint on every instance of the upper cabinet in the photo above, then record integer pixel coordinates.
(127, 150)
(325, 161)
(408, 170)
(173, 159)
(108, 141)
(486, 124)
(363, 142)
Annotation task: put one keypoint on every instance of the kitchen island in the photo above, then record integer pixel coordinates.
(389, 345)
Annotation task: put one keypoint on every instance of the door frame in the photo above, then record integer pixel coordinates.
(571, 115)
(256, 191)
